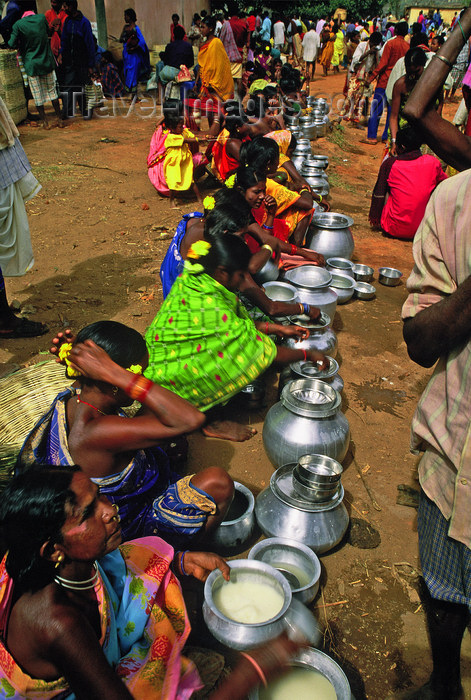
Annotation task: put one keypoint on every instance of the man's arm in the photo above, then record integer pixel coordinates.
(442, 136)
(440, 328)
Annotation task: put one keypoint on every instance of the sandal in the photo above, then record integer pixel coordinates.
(24, 329)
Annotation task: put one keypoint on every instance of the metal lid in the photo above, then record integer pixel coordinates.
(311, 398)
(281, 484)
(309, 276)
(331, 220)
(310, 370)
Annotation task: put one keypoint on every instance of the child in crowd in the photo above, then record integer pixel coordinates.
(174, 161)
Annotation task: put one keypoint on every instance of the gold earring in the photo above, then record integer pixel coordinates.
(115, 390)
(59, 561)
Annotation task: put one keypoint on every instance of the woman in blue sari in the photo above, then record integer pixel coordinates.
(135, 52)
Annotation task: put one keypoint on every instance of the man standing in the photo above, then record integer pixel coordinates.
(392, 52)
(77, 56)
(265, 31)
(30, 37)
(437, 329)
(278, 34)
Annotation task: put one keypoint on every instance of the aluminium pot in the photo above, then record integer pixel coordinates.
(280, 510)
(312, 286)
(321, 336)
(330, 235)
(307, 420)
(238, 525)
(303, 369)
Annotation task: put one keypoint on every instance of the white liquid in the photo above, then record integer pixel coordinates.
(302, 684)
(301, 575)
(248, 602)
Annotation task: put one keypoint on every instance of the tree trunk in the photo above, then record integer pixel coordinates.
(101, 23)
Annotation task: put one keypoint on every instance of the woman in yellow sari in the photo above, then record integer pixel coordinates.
(327, 38)
(339, 48)
(215, 69)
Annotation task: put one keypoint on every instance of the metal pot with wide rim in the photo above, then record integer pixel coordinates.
(312, 286)
(330, 234)
(303, 369)
(321, 336)
(307, 420)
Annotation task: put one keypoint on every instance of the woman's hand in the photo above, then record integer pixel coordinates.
(324, 205)
(312, 256)
(314, 313)
(200, 564)
(317, 358)
(93, 362)
(270, 204)
(293, 332)
(66, 337)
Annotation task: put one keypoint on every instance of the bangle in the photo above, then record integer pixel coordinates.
(393, 140)
(445, 60)
(306, 308)
(181, 562)
(266, 331)
(267, 228)
(320, 198)
(305, 355)
(301, 307)
(267, 247)
(464, 35)
(138, 388)
(304, 189)
(256, 667)
(294, 249)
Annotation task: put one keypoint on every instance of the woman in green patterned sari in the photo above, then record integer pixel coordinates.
(203, 345)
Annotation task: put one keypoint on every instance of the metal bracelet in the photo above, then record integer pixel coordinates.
(445, 60)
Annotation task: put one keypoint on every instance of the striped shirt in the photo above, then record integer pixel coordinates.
(442, 422)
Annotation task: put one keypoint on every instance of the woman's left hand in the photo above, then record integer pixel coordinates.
(200, 564)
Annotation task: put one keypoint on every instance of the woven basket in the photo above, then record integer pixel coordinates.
(24, 397)
(11, 85)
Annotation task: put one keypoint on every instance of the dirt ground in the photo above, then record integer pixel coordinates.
(99, 233)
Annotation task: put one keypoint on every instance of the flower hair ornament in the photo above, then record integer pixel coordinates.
(71, 372)
(209, 203)
(198, 250)
(230, 182)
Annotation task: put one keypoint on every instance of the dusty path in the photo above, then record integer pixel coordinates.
(99, 235)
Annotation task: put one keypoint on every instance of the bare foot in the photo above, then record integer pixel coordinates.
(229, 430)
(60, 123)
(46, 125)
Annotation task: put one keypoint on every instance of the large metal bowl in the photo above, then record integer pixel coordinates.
(280, 291)
(344, 286)
(310, 276)
(237, 635)
(331, 219)
(295, 561)
(268, 273)
(389, 276)
(364, 291)
(363, 273)
(318, 661)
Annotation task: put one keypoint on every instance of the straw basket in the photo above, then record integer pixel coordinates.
(11, 85)
(24, 397)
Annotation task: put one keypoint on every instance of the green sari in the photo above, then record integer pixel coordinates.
(203, 345)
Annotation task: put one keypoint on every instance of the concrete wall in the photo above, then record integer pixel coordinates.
(153, 16)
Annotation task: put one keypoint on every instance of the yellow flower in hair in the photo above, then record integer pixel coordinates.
(230, 182)
(199, 249)
(209, 202)
(63, 354)
(135, 369)
(193, 268)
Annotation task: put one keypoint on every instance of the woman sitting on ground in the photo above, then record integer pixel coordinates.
(80, 618)
(294, 208)
(202, 343)
(85, 425)
(229, 212)
(226, 149)
(174, 161)
(403, 188)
